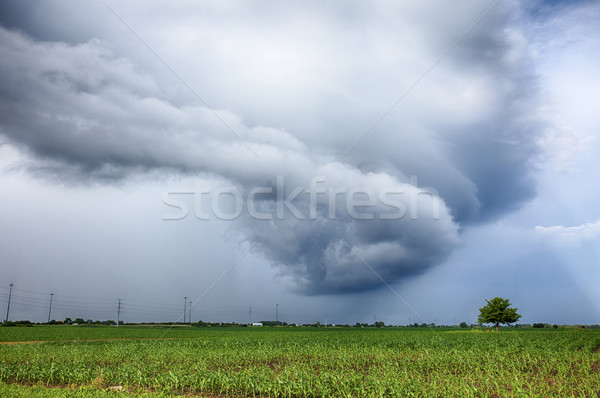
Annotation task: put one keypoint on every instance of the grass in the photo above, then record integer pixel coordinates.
(299, 362)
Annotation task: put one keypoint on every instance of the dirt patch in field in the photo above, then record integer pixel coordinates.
(596, 350)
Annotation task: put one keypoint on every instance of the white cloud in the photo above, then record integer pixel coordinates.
(565, 47)
(570, 236)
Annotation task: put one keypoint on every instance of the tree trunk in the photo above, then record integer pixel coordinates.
(497, 330)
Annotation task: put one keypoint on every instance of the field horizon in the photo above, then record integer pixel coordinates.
(297, 362)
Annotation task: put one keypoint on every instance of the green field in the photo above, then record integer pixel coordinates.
(297, 362)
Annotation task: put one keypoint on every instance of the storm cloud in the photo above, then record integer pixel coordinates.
(293, 96)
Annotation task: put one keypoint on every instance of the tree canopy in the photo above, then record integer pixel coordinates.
(497, 311)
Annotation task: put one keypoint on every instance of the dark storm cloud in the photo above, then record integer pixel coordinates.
(88, 110)
(343, 249)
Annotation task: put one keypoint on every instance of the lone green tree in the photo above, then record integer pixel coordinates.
(497, 311)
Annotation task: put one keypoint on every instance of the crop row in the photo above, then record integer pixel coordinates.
(321, 363)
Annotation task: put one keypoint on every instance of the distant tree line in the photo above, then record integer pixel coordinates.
(379, 324)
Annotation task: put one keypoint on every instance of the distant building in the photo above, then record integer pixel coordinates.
(257, 324)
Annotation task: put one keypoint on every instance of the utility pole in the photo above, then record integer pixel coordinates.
(190, 316)
(325, 318)
(184, 308)
(277, 314)
(9, 295)
(118, 312)
(250, 315)
(50, 309)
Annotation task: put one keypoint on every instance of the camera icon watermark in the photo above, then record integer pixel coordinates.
(317, 199)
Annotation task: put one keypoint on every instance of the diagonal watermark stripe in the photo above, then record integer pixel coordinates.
(232, 266)
(236, 262)
(181, 80)
(388, 286)
(437, 335)
(421, 77)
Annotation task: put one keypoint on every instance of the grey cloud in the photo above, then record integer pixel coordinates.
(338, 252)
(87, 111)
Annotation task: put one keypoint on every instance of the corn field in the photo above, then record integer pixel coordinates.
(298, 362)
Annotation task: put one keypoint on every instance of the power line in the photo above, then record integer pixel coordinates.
(160, 306)
(78, 298)
(151, 309)
(58, 303)
(74, 306)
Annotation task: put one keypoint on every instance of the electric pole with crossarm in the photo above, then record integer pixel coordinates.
(50, 309)
(9, 296)
(118, 312)
(184, 308)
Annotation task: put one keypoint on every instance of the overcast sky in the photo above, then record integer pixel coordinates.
(350, 161)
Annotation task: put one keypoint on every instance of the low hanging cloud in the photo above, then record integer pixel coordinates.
(83, 112)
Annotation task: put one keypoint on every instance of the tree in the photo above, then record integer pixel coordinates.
(464, 325)
(497, 311)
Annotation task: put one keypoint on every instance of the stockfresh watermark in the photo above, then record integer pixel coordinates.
(317, 199)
